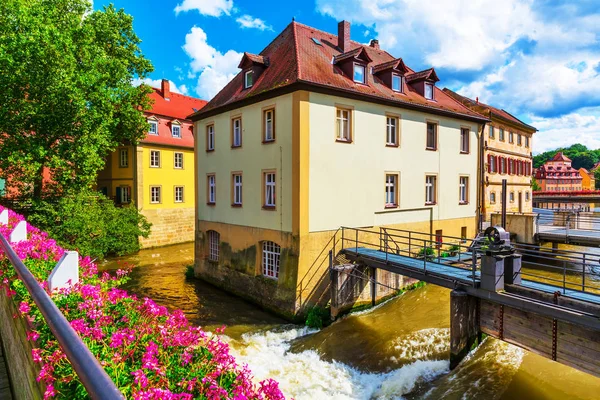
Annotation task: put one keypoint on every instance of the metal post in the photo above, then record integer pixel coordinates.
(356, 242)
(473, 264)
(386, 247)
(504, 204)
(567, 228)
(342, 237)
(564, 276)
(409, 244)
(424, 256)
(583, 277)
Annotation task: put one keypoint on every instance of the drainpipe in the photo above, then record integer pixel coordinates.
(480, 187)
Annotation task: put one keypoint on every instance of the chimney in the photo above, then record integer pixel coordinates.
(166, 89)
(374, 44)
(477, 99)
(344, 36)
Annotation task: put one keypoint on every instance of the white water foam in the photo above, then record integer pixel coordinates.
(420, 344)
(306, 376)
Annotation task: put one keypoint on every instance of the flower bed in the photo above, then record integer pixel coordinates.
(148, 352)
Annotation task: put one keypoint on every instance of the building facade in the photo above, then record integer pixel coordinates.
(157, 175)
(506, 155)
(588, 182)
(557, 175)
(295, 147)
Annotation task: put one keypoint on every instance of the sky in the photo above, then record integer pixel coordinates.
(537, 59)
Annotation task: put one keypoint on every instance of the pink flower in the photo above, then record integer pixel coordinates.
(24, 307)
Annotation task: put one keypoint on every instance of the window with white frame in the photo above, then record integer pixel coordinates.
(464, 190)
(396, 83)
(429, 91)
(270, 259)
(210, 137)
(359, 73)
(392, 131)
(464, 140)
(491, 132)
(519, 139)
(431, 136)
(178, 194)
(493, 197)
(211, 189)
(237, 189)
(155, 195)
(125, 194)
(511, 137)
(176, 131)
(124, 158)
(154, 158)
(153, 127)
(248, 79)
(213, 245)
(343, 125)
(178, 160)
(501, 134)
(269, 128)
(236, 135)
(526, 141)
(430, 189)
(269, 178)
(391, 190)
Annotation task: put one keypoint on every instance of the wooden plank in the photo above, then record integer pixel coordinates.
(532, 322)
(5, 394)
(577, 335)
(569, 350)
(537, 346)
(581, 366)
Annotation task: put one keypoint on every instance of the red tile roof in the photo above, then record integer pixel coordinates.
(296, 59)
(253, 58)
(486, 109)
(394, 64)
(560, 157)
(178, 107)
(427, 74)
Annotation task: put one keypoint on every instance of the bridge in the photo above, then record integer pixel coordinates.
(556, 314)
(580, 196)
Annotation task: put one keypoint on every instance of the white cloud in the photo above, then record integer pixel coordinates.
(213, 68)
(155, 83)
(564, 131)
(247, 21)
(213, 8)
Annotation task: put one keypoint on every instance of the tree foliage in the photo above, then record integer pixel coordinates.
(581, 156)
(67, 98)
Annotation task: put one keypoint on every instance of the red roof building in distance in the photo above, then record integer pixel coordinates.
(557, 175)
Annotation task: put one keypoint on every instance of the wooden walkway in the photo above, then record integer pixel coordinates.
(559, 234)
(5, 393)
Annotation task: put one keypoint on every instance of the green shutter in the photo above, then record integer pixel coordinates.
(118, 195)
(2, 186)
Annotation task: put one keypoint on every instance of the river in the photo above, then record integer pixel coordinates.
(397, 350)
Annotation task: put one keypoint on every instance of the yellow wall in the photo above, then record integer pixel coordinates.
(347, 181)
(588, 182)
(113, 175)
(251, 159)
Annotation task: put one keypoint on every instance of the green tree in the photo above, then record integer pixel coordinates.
(66, 98)
(597, 178)
(535, 185)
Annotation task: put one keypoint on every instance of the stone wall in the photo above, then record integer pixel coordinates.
(169, 226)
(17, 352)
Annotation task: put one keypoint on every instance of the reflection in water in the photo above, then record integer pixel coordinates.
(398, 350)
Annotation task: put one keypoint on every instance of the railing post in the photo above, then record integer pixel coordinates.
(583, 276)
(356, 242)
(567, 228)
(409, 244)
(386, 247)
(564, 276)
(342, 245)
(424, 256)
(473, 264)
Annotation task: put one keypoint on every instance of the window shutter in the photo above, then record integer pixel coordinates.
(496, 166)
(490, 163)
(119, 190)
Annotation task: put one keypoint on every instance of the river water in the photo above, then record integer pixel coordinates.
(397, 350)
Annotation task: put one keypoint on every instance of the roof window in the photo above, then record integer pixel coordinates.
(317, 42)
(248, 79)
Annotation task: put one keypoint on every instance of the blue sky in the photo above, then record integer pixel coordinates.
(539, 60)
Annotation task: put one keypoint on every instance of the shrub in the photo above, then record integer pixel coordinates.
(454, 248)
(91, 224)
(189, 272)
(318, 317)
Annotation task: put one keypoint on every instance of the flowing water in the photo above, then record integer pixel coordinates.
(397, 350)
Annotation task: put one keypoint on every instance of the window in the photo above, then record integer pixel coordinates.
(155, 158)
(519, 138)
(511, 137)
(123, 158)
(491, 128)
(178, 194)
(431, 136)
(178, 160)
(501, 135)
(439, 238)
(512, 197)
(210, 138)
(493, 197)
(211, 189)
(124, 194)
(526, 196)
(397, 83)
(430, 189)
(155, 195)
(391, 190)
(236, 134)
(464, 140)
(248, 79)
(153, 128)
(429, 91)
(463, 233)
(270, 259)
(343, 125)
(359, 73)
(464, 190)
(213, 245)
(392, 131)
(526, 141)
(237, 189)
(176, 131)
(269, 125)
(269, 183)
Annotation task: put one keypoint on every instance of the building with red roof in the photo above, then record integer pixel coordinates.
(507, 156)
(557, 175)
(157, 174)
(317, 132)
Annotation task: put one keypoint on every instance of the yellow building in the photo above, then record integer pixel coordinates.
(295, 147)
(507, 155)
(588, 182)
(157, 175)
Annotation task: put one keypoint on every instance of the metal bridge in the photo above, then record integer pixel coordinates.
(567, 226)
(550, 306)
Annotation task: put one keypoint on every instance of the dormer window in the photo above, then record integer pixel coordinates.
(176, 130)
(248, 79)
(396, 83)
(153, 127)
(429, 91)
(359, 73)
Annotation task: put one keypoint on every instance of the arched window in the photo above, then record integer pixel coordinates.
(214, 239)
(270, 259)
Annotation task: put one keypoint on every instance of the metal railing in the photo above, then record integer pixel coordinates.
(91, 374)
(571, 222)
